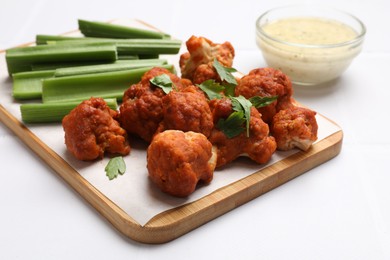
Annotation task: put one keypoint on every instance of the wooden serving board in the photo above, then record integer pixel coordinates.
(175, 222)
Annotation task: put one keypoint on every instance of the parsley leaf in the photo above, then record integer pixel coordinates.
(212, 89)
(115, 166)
(262, 101)
(229, 89)
(232, 126)
(164, 82)
(240, 103)
(225, 73)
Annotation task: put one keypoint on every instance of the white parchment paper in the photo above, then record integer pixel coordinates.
(133, 192)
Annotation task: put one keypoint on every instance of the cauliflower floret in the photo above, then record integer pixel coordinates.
(266, 82)
(259, 146)
(177, 161)
(141, 111)
(186, 110)
(294, 127)
(196, 64)
(91, 129)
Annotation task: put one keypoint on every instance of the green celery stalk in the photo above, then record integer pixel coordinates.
(52, 112)
(131, 46)
(28, 85)
(104, 85)
(58, 65)
(116, 66)
(107, 30)
(42, 39)
(133, 57)
(20, 59)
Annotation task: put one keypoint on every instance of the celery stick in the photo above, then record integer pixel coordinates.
(41, 39)
(116, 66)
(18, 59)
(107, 30)
(80, 87)
(52, 112)
(58, 65)
(28, 85)
(133, 57)
(131, 46)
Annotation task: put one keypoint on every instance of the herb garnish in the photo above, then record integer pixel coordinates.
(225, 73)
(212, 89)
(115, 166)
(164, 82)
(232, 126)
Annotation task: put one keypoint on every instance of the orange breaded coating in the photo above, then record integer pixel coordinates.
(294, 127)
(266, 82)
(259, 146)
(178, 160)
(141, 111)
(187, 110)
(196, 64)
(91, 129)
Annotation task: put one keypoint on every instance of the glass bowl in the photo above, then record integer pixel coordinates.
(311, 44)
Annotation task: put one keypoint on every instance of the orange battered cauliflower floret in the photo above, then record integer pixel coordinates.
(266, 82)
(294, 127)
(177, 161)
(91, 129)
(141, 111)
(187, 110)
(197, 64)
(259, 146)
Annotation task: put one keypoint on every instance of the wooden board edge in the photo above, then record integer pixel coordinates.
(179, 221)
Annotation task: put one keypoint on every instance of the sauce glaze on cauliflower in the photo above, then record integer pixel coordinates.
(178, 160)
(91, 129)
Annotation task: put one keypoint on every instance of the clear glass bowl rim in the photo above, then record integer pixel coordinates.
(357, 39)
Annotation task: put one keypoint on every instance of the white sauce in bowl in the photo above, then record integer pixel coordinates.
(309, 50)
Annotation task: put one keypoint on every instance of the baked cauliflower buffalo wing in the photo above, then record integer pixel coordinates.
(266, 82)
(294, 127)
(197, 64)
(259, 146)
(91, 129)
(177, 161)
(142, 110)
(186, 110)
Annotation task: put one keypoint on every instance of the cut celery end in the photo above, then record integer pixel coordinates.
(53, 112)
(81, 87)
(28, 85)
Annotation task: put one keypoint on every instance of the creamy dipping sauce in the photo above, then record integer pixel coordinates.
(310, 30)
(305, 48)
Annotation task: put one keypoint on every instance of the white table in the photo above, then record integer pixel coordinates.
(338, 210)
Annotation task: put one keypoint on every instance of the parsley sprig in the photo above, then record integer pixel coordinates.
(115, 166)
(164, 82)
